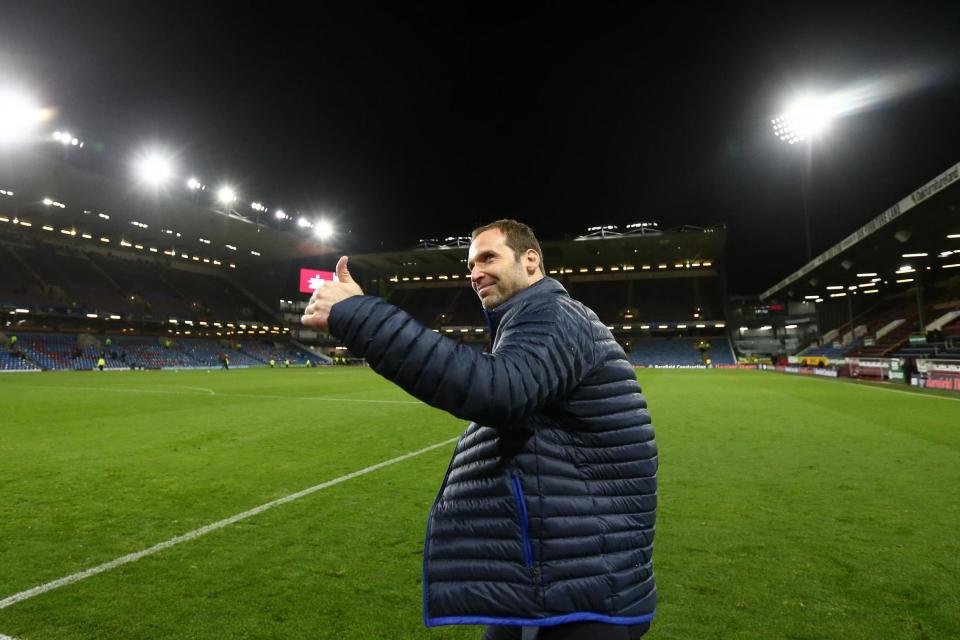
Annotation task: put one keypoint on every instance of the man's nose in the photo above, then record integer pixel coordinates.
(476, 274)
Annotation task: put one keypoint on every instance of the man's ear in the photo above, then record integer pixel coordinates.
(532, 262)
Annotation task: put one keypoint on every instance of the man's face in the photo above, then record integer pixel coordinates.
(496, 273)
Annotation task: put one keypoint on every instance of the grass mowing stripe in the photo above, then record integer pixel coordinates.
(196, 533)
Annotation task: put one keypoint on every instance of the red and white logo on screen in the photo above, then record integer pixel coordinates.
(311, 279)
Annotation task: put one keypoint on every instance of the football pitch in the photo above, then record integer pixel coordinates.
(790, 507)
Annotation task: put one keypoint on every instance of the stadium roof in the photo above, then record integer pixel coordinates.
(202, 231)
(917, 237)
(671, 246)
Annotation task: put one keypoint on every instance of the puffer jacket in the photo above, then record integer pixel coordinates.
(546, 514)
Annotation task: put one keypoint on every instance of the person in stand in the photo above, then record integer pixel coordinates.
(543, 526)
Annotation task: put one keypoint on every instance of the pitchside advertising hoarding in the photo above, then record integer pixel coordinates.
(311, 279)
(938, 375)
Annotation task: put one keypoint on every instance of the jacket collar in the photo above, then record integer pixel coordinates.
(542, 287)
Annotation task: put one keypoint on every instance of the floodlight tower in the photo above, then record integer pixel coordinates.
(805, 119)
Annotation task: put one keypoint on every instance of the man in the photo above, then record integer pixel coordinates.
(543, 527)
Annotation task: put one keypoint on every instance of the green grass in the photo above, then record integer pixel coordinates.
(790, 507)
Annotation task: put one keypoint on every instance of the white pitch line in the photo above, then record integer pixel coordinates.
(211, 392)
(259, 395)
(3, 637)
(196, 533)
(869, 385)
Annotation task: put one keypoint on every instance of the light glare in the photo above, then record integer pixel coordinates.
(323, 229)
(154, 169)
(19, 117)
(226, 195)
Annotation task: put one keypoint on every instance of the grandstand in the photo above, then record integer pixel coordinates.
(667, 352)
(114, 262)
(887, 297)
(110, 262)
(80, 352)
(664, 289)
(105, 262)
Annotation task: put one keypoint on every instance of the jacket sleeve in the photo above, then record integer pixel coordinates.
(537, 360)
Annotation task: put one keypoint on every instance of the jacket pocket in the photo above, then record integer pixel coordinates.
(524, 526)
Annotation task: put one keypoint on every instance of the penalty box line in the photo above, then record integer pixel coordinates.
(196, 533)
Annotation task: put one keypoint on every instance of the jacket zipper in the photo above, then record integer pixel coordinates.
(524, 526)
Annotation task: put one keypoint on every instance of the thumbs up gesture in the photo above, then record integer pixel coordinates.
(317, 313)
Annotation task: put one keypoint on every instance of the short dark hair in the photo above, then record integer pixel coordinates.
(519, 237)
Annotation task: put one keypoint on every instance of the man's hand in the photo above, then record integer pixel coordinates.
(330, 293)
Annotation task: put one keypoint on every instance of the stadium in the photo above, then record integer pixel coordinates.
(181, 457)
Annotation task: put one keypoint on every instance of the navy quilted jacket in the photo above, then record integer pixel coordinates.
(546, 513)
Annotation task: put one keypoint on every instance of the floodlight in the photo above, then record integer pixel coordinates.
(19, 116)
(226, 195)
(323, 229)
(193, 184)
(280, 214)
(154, 169)
(304, 223)
(807, 117)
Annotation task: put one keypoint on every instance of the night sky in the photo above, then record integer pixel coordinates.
(407, 121)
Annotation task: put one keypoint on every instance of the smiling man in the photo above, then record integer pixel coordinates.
(504, 258)
(543, 527)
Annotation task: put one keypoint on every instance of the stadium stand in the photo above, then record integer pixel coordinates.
(63, 352)
(428, 306)
(265, 351)
(58, 352)
(830, 351)
(17, 284)
(16, 361)
(952, 329)
(650, 300)
(66, 280)
(150, 353)
(650, 285)
(654, 352)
